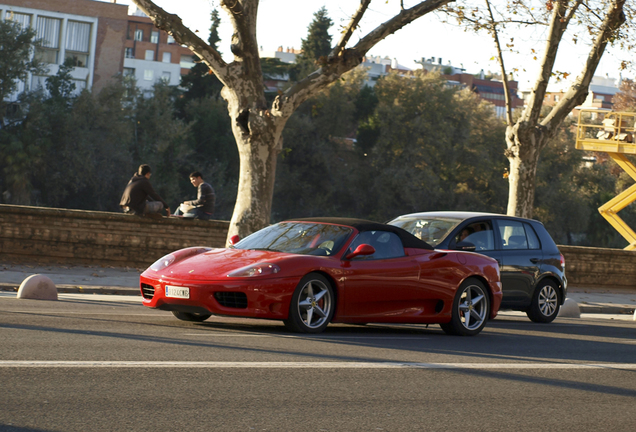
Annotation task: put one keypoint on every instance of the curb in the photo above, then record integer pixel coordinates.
(74, 289)
(614, 310)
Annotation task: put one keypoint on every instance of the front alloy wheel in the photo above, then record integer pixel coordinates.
(312, 305)
(471, 309)
(545, 303)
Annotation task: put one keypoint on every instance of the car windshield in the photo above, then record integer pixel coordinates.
(304, 238)
(430, 229)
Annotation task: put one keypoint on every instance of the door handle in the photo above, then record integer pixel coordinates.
(534, 260)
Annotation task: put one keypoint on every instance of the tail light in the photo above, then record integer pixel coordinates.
(562, 262)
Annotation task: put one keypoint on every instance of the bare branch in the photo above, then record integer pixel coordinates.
(577, 93)
(555, 35)
(347, 59)
(504, 76)
(397, 22)
(174, 26)
(353, 24)
(572, 11)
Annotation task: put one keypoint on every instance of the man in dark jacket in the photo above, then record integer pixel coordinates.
(139, 197)
(203, 206)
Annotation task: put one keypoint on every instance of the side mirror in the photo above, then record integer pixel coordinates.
(363, 249)
(234, 239)
(464, 246)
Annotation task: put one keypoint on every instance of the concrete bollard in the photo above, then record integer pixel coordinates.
(38, 287)
(570, 309)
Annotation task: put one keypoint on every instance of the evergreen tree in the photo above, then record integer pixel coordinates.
(16, 45)
(214, 38)
(200, 82)
(317, 44)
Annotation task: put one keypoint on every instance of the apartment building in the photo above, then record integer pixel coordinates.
(151, 54)
(89, 33)
(101, 40)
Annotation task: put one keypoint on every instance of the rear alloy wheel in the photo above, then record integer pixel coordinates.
(191, 316)
(471, 309)
(312, 305)
(546, 303)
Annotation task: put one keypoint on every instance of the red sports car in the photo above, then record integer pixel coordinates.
(310, 272)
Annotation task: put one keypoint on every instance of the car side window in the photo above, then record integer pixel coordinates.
(480, 234)
(533, 240)
(513, 236)
(386, 245)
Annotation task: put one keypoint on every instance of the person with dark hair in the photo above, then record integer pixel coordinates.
(139, 197)
(203, 206)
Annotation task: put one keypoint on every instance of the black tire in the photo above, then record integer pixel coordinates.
(312, 305)
(188, 316)
(546, 302)
(472, 298)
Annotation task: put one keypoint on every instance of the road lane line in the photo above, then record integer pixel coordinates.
(307, 365)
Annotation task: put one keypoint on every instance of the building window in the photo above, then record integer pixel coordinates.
(79, 85)
(154, 37)
(78, 37)
(556, 98)
(150, 55)
(165, 77)
(170, 39)
(23, 19)
(48, 31)
(38, 81)
(149, 74)
(139, 35)
(186, 61)
(130, 53)
(167, 57)
(129, 72)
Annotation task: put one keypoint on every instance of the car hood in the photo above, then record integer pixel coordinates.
(216, 264)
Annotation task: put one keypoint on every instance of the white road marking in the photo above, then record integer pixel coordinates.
(307, 365)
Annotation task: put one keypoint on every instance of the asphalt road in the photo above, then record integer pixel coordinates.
(112, 365)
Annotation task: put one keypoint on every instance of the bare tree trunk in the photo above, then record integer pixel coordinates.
(526, 138)
(524, 148)
(258, 137)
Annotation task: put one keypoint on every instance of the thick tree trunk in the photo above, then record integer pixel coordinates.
(524, 148)
(258, 136)
(256, 185)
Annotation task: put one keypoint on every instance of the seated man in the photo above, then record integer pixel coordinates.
(139, 197)
(203, 206)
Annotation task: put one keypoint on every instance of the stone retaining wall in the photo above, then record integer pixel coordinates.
(599, 267)
(40, 234)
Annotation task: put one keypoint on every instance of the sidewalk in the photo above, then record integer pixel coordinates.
(74, 278)
(125, 281)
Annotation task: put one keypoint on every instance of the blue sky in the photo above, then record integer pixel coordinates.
(284, 22)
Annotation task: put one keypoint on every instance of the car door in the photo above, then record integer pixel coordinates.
(479, 232)
(521, 257)
(382, 285)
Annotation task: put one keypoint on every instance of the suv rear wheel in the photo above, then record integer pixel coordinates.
(546, 302)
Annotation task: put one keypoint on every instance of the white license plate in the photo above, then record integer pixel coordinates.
(177, 292)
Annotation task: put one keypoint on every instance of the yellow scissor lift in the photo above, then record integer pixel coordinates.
(614, 136)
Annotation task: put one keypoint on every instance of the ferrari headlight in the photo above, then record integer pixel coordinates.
(261, 269)
(162, 263)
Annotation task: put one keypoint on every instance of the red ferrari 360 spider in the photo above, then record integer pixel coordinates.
(310, 272)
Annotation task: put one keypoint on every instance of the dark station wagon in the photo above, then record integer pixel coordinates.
(532, 268)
